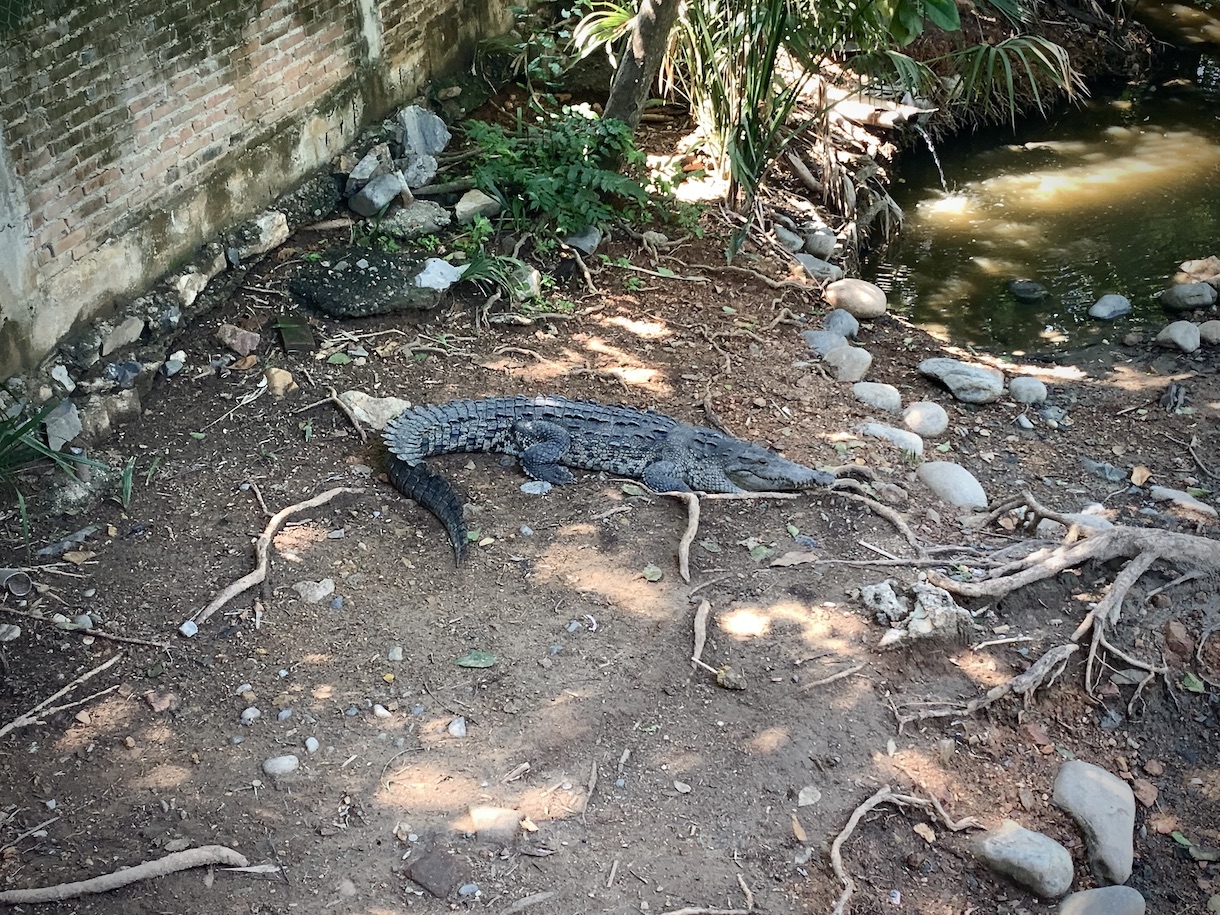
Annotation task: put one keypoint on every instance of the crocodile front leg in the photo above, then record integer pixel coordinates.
(543, 446)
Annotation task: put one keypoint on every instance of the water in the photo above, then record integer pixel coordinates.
(1108, 198)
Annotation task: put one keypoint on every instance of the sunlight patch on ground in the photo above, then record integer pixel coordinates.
(162, 777)
(110, 716)
(820, 627)
(420, 788)
(981, 668)
(291, 541)
(769, 740)
(648, 330)
(575, 564)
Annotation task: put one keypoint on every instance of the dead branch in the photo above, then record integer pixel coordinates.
(584, 270)
(761, 277)
(700, 629)
(692, 517)
(889, 515)
(38, 713)
(171, 863)
(261, 547)
(334, 398)
(699, 910)
(98, 633)
(526, 901)
(841, 675)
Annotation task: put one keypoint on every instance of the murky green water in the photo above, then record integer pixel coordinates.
(1106, 198)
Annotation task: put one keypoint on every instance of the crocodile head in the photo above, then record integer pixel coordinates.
(759, 469)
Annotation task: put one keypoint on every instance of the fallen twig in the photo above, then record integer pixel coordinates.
(841, 675)
(343, 408)
(700, 628)
(38, 713)
(889, 515)
(699, 910)
(29, 832)
(261, 547)
(741, 882)
(99, 633)
(171, 863)
(526, 901)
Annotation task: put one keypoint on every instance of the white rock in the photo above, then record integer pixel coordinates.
(926, 418)
(1105, 900)
(1209, 332)
(952, 483)
(877, 395)
(313, 592)
(281, 765)
(1026, 390)
(374, 412)
(1182, 334)
(861, 298)
(1103, 805)
(311, 745)
(904, 439)
(1182, 499)
(457, 727)
(475, 203)
(438, 274)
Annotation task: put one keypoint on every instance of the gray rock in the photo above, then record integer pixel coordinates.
(62, 425)
(967, 382)
(277, 766)
(1035, 861)
(1024, 422)
(423, 132)
(61, 375)
(823, 341)
(861, 298)
(457, 727)
(926, 418)
(952, 483)
(438, 274)
(1209, 332)
(585, 241)
(375, 162)
(1026, 390)
(1027, 291)
(420, 217)
(1181, 499)
(1103, 805)
(841, 321)
(438, 871)
(1188, 296)
(1181, 334)
(877, 395)
(820, 241)
(1106, 900)
(385, 285)
(379, 194)
(311, 745)
(788, 240)
(1111, 306)
(818, 268)
(851, 363)
(1088, 523)
(126, 332)
(475, 203)
(250, 715)
(314, 592)
(907, 441)
(417, 170)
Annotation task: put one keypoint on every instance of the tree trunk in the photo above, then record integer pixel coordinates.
(647, 40)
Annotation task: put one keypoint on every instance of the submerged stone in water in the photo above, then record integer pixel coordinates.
(1027, 291)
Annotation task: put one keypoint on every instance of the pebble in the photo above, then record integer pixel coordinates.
(1034, 860)
(967, 382)
(250, 715)
(877, 395)
(380, 711)
(395, 653)
(525, 531)
(904, 439)
(851, 363)
(237, 740)
(188, 629)
(1209, 332)
(1026, 390)
(285, 714)
(860, 298)
(1111, 306)
(823, 341)
(281, 765)
(313, 592)
(926, 418)
(312, 745)
(243, 689)
(841, 321)
(1024, 422)
(336, 603)
(1103, 805)
(536, 488)
(1107, 900)
(952, 483)
(1182, 334)
(468, 889)
(457, 727)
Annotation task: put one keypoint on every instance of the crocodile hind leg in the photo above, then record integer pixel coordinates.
(543, 446)
(433, 492)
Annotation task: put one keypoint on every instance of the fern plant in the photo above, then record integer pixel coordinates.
(568, 169)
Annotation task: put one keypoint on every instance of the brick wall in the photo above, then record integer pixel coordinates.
(132, 132)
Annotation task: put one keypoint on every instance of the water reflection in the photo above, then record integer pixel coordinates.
(1110, 198)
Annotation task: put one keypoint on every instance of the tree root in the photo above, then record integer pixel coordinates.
(692, 500)
(261, 548)
(884, 796)
(171, 863)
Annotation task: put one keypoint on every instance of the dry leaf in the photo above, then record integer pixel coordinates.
(1037, 734)
(798, 831)
(925, 832)
(1145, 791)
(79, 557)
(795, 558)
(1164, 823)
(1140, 475)
(245, 363)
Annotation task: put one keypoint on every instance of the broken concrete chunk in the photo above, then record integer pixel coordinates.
(242, 342)
(62, 425)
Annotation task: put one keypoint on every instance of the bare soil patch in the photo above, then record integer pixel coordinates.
(648, 787)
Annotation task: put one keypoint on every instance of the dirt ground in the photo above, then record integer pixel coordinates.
(636, 783)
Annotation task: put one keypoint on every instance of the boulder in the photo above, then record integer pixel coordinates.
(967, 382)
(860, 298)
(1188, 296)
(1109, 307)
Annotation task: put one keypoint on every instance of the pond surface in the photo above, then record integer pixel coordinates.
(1106, 198)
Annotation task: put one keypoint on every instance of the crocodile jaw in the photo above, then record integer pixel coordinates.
(756, 469)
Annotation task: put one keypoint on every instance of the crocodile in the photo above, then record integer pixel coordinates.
(551, 434)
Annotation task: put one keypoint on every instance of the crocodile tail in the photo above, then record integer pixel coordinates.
(433, 492)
